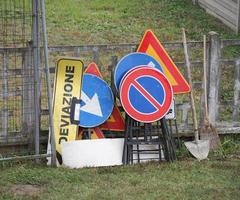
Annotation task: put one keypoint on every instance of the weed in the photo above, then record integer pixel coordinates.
(230, 146)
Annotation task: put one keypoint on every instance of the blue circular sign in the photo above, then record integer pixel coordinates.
(130, 61)
(96, 103)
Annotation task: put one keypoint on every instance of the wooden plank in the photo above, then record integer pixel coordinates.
(19, 140)
(12, 50)
(13, 72)
(183, 132)
(229, 5)
(235, 42)
(126, 46)
(225, 15)
(10, 114)
(5, 94)
(220, 8)
(25, 157)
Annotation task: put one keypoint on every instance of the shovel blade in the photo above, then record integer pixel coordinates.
(199, 149)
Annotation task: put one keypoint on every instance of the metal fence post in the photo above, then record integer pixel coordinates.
(49, 89)
(214, 73)
(36, 49)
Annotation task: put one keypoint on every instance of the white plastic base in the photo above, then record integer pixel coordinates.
(92, 153)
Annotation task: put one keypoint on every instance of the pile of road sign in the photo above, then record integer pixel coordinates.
(146, 81)
(84, 104)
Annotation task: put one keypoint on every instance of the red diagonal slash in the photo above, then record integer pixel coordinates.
(146, 94)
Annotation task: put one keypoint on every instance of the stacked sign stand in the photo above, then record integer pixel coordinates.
(145, 142)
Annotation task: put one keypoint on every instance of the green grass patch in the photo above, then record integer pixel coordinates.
(93, 22)
(180, 180)
(216, 178)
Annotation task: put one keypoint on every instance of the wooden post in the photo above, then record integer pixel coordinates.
(236, 100)
(238, 17)
(4, 116)
(96, 56)
(185, 109)
(195, 2)
(113, 65)
(77, 53)
(214, 73)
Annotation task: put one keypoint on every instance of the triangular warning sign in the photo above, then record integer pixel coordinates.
(96, 133)
(93, 69)
(152, 46)
(115, 122)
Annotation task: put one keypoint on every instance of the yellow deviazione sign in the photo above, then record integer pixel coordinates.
(68, 83)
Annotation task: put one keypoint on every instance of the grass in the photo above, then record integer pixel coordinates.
(93, 22)
(180, 180)
(216, 178)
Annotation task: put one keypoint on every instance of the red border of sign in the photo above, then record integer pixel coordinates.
(150, 39)
(126, 83)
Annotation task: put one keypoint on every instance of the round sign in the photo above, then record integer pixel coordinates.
(146, 94)
(96, 103)
(130, 61)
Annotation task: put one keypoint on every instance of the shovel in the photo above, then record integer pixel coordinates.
(198, 148)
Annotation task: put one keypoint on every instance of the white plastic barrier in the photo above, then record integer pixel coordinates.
(92, 153)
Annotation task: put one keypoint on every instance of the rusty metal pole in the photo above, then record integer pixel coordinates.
(49, 89)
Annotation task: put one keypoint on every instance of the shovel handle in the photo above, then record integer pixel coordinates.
(195, 124)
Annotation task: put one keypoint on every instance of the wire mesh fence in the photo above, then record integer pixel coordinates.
(19, 25)
(15, 26)
(16, 65)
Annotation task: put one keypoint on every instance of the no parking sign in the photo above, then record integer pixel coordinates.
(146, 94)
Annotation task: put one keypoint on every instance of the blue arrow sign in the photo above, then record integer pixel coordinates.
(130, 61)
(96, 103)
